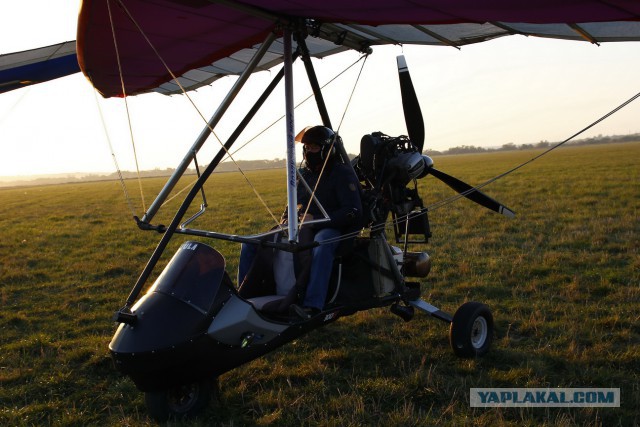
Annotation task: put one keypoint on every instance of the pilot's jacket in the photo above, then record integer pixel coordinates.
(338, 193)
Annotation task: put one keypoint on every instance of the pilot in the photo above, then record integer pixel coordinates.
(337, 189)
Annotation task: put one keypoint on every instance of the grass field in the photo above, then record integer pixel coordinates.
(562, 279)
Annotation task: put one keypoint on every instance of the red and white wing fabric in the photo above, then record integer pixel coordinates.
(200, 41)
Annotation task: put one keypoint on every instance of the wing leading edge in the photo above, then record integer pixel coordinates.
(21, 69)
(201, 41)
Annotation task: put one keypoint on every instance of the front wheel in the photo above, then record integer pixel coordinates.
(471, 330)
(181, 401)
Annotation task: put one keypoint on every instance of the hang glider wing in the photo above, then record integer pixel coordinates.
(200, 41)
(28, 67)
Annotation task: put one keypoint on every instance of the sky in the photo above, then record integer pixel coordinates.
(509, 90)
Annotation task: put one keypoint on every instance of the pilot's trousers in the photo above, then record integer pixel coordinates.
(321, 266)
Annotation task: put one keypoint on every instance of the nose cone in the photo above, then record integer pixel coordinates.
(163, 322)
(428, 161)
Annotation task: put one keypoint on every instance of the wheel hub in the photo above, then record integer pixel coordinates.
(479, 332)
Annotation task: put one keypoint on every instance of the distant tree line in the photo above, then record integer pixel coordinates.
(600, 139)
(229, 166)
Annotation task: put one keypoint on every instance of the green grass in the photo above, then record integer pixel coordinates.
(562, 279)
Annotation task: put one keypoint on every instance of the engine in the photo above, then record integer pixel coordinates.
(386, 167)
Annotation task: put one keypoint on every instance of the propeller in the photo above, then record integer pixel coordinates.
(410, 106)
(415, 129)
(472, 193)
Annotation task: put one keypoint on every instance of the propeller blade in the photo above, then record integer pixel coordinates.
(474, 194)
(412, 114)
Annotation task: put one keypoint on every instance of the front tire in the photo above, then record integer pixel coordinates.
(471, 331)
(181, 401)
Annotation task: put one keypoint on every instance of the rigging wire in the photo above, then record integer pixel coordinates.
(26, 90)
(126, 103)
(17, 102)
(355, 85)
(186, 187)
(184, 92)
(252, 139)
(113, 156)
(281, 117)
(510, 171)
(334, 78)
(324, 164)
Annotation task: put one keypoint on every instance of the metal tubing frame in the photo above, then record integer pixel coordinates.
(317, 93)
(292, 196)
(431, 310)
(174, 225)
(313, 81)
(213, 121)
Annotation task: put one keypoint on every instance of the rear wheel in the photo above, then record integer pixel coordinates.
(181, 401)
(471, 331)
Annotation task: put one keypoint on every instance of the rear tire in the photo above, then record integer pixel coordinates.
(471, 331)
(181, 401)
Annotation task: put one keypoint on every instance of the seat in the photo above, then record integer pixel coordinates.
(285, 281)
(277, 278)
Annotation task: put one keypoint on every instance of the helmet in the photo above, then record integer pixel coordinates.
(319, 135)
